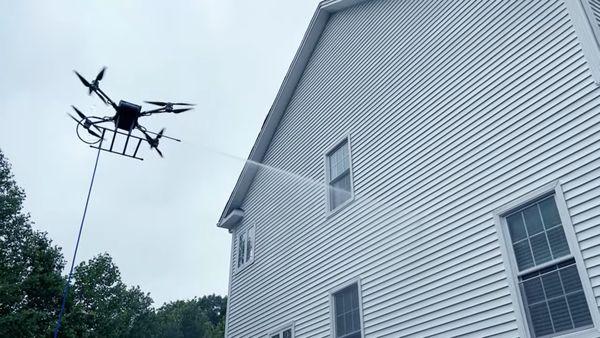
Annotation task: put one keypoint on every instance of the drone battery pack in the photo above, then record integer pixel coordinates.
(128, 115)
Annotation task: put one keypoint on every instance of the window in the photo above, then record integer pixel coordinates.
(338, 175)
(347, 313)
(245, 245)
(547, 277)
(286, 332)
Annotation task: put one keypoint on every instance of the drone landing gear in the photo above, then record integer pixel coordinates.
(125, 150)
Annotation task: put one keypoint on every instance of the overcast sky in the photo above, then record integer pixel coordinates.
(155, 217)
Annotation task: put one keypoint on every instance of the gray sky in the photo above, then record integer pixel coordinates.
(157, 217)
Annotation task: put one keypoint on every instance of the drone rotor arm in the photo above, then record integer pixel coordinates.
(105, 98)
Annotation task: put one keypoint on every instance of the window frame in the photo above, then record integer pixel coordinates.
(281, 328)
(345, 139)
(245, 231)
(332, 313)
(510, 262)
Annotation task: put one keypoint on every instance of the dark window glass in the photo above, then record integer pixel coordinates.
(555, 300)
(347, 312)
(537, 234)
(516, 227)
(340, 187)
(553, 295)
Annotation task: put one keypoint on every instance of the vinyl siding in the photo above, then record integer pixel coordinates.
(595, 5)
(454, 108)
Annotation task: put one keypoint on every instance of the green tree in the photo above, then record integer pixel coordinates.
(99, 303)
(30, 267)
(198, 317)
(102, 305)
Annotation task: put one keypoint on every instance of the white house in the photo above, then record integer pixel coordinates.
(428, 168)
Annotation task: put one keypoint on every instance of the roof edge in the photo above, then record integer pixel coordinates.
(284, 95)
(232, 219)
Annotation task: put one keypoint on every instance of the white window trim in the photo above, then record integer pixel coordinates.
(245, 231)
(588, 32)
(328, 211)
(332, 293)
(511, 263)
(279, 330)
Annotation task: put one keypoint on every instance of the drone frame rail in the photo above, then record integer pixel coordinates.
(124, 152)
(112, 149)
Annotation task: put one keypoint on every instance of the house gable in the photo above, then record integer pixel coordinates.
(284, 95)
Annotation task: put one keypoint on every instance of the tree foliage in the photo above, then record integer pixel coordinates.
(99, 304)
(30, 266)
(199, 317)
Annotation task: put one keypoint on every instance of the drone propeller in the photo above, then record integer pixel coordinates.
(100, 75)
(167, 107)
(94, 86)
(86, 124)
(179, 111)
(84, 81)
(153, 142)
(79, 113)
(161, 103)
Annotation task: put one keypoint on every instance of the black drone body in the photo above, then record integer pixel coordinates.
(125, 119)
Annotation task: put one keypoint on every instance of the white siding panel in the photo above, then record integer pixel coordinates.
(595, 5)
(454, 108)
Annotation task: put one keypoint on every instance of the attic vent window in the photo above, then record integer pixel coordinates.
(338, 175)
(245, 246)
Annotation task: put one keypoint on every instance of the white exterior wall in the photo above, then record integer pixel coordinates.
(454, 109)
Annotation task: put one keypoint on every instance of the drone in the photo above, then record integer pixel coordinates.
(125, 119)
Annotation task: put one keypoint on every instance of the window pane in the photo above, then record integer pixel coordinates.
(523, 255)
(340, 325)
(516, 227)
(241, 249)
(340, 191)
(347, 313)
(558, 242)
(540, 319)
(533, 291)
(549, 212)
(338, 161)
(579, 309)
(551, 310)
(533, 220)
(275, 336)
(560, 314)
(540, 248)
(250, 245)
(348, 301)
(552, 285)
(348, 319)
(356, 321)
(287, 333)
(339, 304)
(570, 279)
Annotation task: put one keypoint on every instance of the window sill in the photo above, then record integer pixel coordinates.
(586, 333)
(331, 213)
